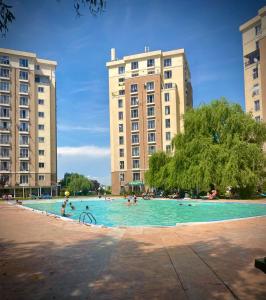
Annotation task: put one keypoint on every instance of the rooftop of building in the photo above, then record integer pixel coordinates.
(29, 55)
(253, 21)
(145, 54)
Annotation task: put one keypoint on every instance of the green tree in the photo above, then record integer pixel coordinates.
(221, 145)
(79, 183)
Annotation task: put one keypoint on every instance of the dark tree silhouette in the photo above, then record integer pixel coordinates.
(7, 17)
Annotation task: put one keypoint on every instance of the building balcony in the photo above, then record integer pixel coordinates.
(252, 58)
(24, 158)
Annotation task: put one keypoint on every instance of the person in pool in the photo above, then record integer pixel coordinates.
(63, 210)
(135, 199)
(72, 206)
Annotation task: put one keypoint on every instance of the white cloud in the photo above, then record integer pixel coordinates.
(88, 151)
(82, 128)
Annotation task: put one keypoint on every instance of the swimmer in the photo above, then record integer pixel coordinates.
(87, 207)
(135, 199)
(72, 206)
(128, 200)
(63, 212)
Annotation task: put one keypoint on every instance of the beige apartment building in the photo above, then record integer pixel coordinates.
(148, 95)
(254, 54)
(28, 155)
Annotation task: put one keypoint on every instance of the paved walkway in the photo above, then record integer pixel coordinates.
(46, 258)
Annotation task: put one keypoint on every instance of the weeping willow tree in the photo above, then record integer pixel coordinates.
(221, 145)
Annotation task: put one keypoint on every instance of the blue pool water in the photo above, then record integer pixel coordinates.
(153, 212)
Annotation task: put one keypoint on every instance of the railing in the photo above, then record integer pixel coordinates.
(89, 215)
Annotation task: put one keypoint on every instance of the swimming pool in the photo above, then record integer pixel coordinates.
(153, 212)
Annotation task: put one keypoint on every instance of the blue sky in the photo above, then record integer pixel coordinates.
(208, 30)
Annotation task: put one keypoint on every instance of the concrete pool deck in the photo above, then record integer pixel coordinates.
(46, 258)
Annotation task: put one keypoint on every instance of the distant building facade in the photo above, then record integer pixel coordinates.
(148, 95)
(254, 55)
(28, 155)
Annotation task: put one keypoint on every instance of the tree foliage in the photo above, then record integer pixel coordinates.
(76, 183)
(221, 145)
(6, 16)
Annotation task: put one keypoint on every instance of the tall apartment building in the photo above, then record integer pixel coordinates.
(254, 54)
(148, 94)
(28, 155)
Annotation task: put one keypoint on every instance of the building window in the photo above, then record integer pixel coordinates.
(4, 166)
(151, 137)
(151, 124)
(41, 177)
(134, 88)
(41, 165)
(24, 88)
(4, 125)
(168, 136)
(167, 123)
(24, 179)
(41, 101)
(136, 176)
(4, 86)
(134, 101)
(255, 73)
(23, 75)
(121, 70)
(150, 86)
(120, 127)
(257, 118)
(168, 85)
(24, 126)
(135, 74)
(4, 99)
(258, 29)
(134, 65)
(41, 127)
(120, 115)
(135, 151)
(121, 80)
(167, 74)
(24, 166)
(121, 92)
(41, 114)
(167, 62)
(166, 97)
(24, 152)
(23, 62)
(4, 138)
(150, 111)
(255, 90)
(135, 163)
(40, 89)
(122, 177)
(134, 113)
(121, 165)
(41, 152)
(4, 72)
(4, 60)
(150, 98)
(120, 103)
(4, 112)
(4, 152)
(24, 140)
(150, 62)
(168, 148)
(167, 110)
(24, 100)
(37, 67)
(41, 139)
(121, 140)
(24, 113)
(257, 105)
(134, 126)
(151, 149)
(121, 152)
(135, 138)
